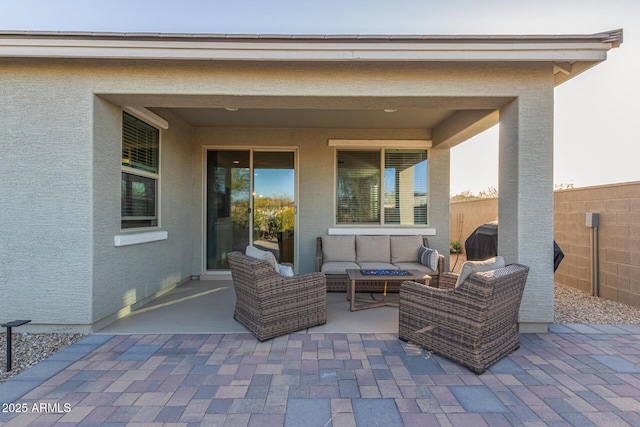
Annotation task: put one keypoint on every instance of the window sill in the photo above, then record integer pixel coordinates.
(138, 238)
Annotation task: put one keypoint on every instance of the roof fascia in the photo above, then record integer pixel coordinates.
(613, 36)
(309, 48)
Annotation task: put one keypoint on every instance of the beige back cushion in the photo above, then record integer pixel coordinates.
(373, 249)
(339, 248)
(256, 253)
(405, 248)
(470, 267)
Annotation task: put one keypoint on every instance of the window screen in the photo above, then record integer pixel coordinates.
(139, 144)
(359, 187)
(358, 192)
(140, 168)
(405, 187)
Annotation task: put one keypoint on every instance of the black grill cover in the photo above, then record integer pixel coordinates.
(558, 255)
(483, 244)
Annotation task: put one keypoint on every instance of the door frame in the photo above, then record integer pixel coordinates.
(224, 274)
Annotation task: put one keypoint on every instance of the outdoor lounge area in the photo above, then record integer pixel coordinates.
(179, 149)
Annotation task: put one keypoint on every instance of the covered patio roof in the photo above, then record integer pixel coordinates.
(444, 116)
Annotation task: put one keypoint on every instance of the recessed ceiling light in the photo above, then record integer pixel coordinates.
(390, 110)
(231, 108)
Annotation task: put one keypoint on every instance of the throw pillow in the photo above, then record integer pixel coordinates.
(285, 270)
(428, 257)
(256, 253)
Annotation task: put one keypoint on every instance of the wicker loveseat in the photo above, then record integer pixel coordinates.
(337, 253)
(475, 323)
(271, 305)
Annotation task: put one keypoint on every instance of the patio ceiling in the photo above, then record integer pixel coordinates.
(406, 118)
(441, 116)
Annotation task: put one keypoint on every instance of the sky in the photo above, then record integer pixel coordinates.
(595, 112)
(274, 183)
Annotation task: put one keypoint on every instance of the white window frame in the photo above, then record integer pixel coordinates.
(159, 123)
(381, 145)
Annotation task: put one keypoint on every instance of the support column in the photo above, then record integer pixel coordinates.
(526, 201)
(439, 198)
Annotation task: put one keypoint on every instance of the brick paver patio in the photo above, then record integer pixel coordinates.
(577, 375)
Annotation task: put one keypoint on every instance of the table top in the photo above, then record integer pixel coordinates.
(413, 275)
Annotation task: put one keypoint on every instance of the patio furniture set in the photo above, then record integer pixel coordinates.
(470, 318)
(338, 253)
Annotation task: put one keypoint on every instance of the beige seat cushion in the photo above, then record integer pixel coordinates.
(337, 267)
(373, 249)
(470, 267)
(415, 266)
(405, 248)
(377, 266)
(339, 248)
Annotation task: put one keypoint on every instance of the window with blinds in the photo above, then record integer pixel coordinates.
(139, 144)
(361, 183)
(140, 173)
(358, 187)
(405, 187)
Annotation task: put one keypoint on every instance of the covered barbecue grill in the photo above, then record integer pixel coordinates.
(483, 244)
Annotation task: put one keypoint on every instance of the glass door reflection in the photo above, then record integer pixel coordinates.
(250, 200)
(228, 209)
(274, 203)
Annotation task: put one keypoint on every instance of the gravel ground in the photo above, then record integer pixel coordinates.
(571, 306)
(575, 306)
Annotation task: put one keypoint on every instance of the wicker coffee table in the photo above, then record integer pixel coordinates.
(356, 276)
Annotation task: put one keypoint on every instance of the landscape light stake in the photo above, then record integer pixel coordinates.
(9, 326)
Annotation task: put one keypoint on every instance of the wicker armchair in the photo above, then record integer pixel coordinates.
(474, 324)
(270, 305)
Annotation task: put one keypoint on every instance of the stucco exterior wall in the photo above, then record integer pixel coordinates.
(526, 195)
(125, 275)
(61, 161)
(439, 176)
(46, 196)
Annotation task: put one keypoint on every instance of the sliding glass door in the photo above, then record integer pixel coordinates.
(274, 203)
(250, 200)
(228, 205)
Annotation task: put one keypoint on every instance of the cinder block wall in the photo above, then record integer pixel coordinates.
(619, 236)
(619, 239)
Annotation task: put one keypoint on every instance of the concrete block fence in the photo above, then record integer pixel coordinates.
(618, 206)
